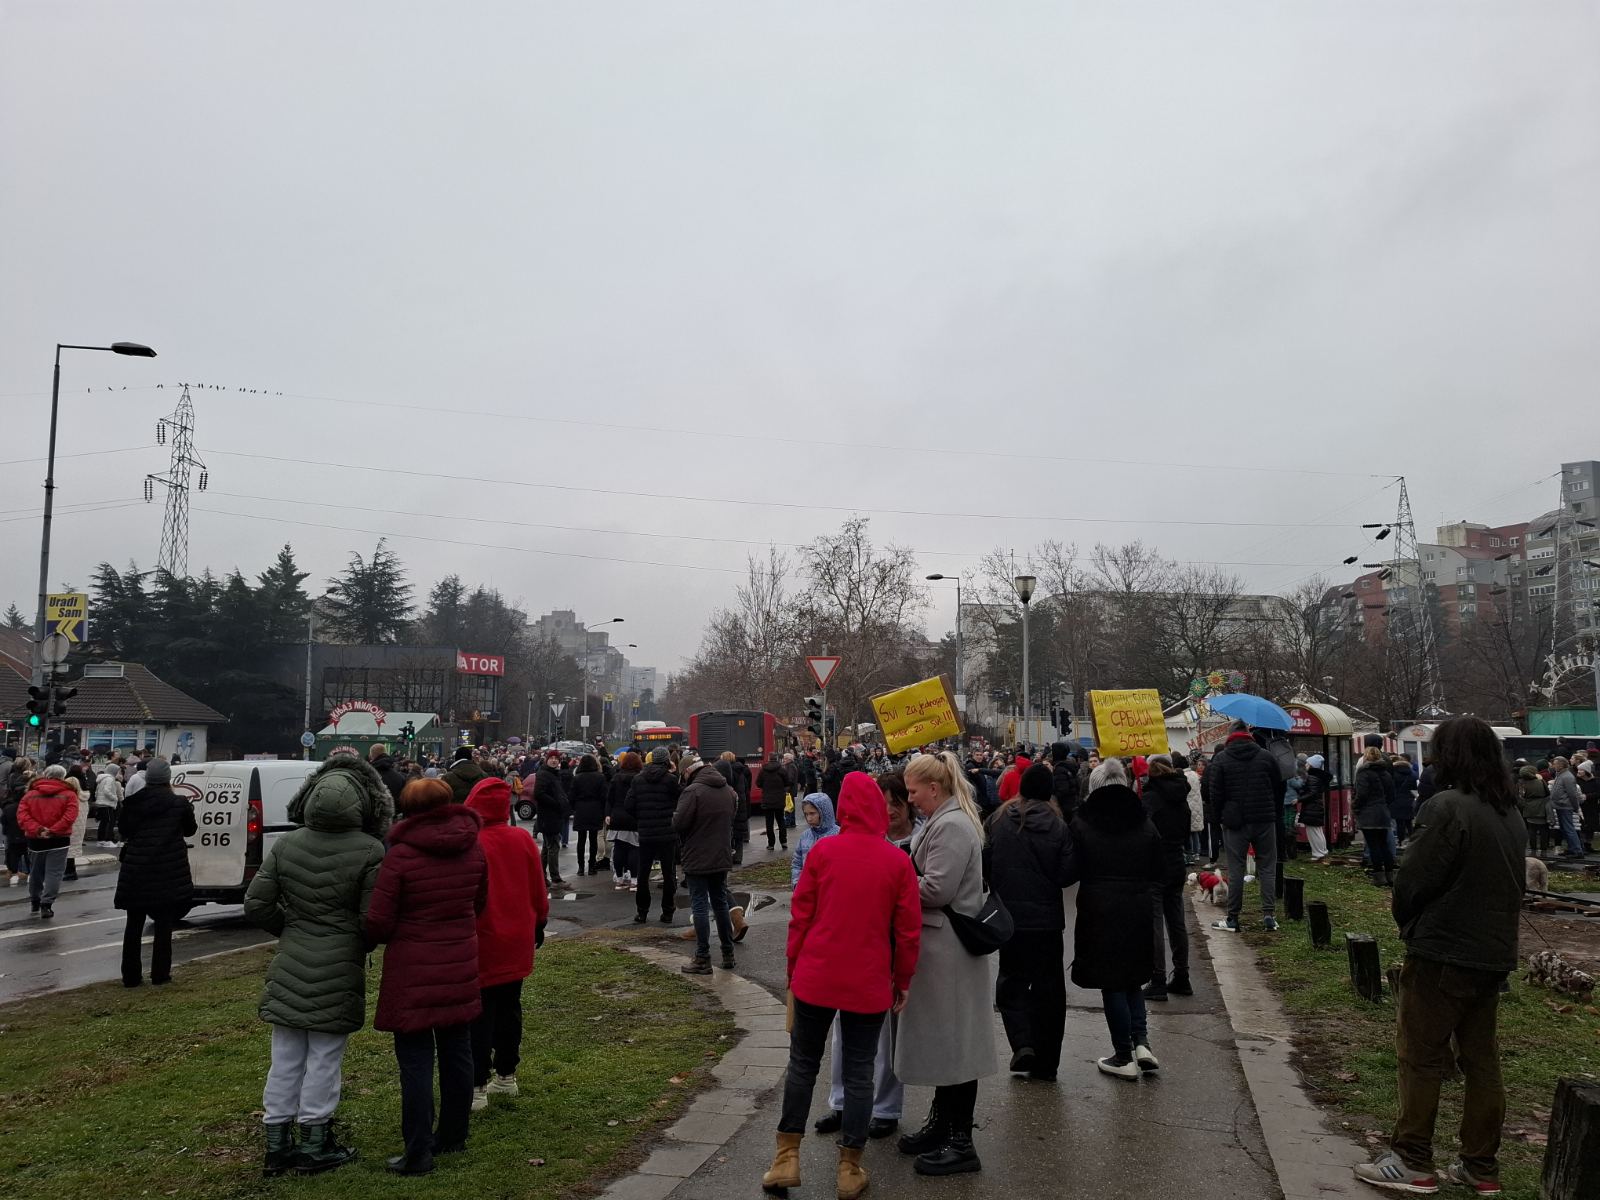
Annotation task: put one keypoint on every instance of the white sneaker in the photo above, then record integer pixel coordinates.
(13, 882)
(480, 1098)
(503, 1085)
(1121, 1069)
(1146, 1060)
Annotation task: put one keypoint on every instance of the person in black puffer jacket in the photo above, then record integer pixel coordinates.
(588, 810)
(1374, 787)
(551, 813)
(1064, 780)
(383, 763)
(1314, 806)
(1117, 863)
(1027, 857)
(1403, 805)
(622, 832)
(154, 879)
(1166, 802)
(774, 784)
(463, 775)
(1243, 790)
(737, 773)
(651, 802)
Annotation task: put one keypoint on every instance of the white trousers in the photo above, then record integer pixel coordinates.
(888, 1093)
(1317, 840)
(304, 1079)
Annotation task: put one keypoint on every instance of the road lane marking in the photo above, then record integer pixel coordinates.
(177, 936)
(16, 933)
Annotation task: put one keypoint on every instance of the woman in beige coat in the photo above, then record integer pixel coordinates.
(946, 1035)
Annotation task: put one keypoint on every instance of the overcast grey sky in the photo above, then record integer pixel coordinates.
(1336, 236)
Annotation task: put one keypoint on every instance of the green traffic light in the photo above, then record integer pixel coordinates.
(34, 720)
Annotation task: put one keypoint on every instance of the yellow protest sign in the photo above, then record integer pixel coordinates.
(65, 613)
(1129, 722)
(919, 713)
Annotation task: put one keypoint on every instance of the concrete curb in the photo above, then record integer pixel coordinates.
(1313, 1162)
(754, 1065)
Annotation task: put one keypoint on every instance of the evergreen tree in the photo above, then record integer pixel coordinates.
(284, 602)
(15, 620)
(442, 625)
(371, 601)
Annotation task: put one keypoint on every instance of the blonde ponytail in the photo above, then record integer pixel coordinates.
(945, 769)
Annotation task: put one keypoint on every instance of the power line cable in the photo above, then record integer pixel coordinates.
(787, 504)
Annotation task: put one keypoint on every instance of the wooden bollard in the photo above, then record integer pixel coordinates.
(1572, 1155)
(1321, 925)
(1366, 971)
(1294, 898)
(1277, 879)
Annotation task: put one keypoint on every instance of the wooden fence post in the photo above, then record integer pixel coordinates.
(1365, 970)
(1572, 1155)
(1321, 925)
(1294, 898)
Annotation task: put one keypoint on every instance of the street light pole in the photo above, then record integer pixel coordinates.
(587, 650)
(959, 649)
(129, 348)
(1025, 585)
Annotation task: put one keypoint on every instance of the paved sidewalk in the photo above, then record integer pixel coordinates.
(1192, 1129)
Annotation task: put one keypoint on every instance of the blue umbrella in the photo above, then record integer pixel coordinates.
(1255, 711)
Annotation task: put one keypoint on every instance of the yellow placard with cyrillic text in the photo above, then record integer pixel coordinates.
(1129, 722)
(917, 714)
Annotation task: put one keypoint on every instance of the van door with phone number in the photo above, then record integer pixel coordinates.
(216, 852)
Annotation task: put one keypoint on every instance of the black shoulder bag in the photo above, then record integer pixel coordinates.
(986, 932)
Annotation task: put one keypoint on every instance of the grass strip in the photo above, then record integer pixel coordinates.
(157, 1092)
(1345, 1045)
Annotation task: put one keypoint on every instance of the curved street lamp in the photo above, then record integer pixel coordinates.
(1025, 585)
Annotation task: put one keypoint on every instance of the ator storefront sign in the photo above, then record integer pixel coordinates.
(479, 664)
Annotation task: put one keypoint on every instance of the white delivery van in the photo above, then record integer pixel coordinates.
(239, 808)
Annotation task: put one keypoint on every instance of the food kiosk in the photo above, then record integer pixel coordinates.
(1326, 730)
(1415, 741)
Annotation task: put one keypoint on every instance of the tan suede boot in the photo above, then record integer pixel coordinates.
(785, 1172)
(852, 1175)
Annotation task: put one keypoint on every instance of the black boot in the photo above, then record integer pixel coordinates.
(1156, 990)
(280, 1149)
(1179, 985)
(320, 1150)
(930, 1137)
(956, 1157)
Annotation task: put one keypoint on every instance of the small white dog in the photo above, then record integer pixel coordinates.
(1538, 876)
(1210, 885)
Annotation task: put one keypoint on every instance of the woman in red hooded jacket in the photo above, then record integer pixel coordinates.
(509, 927)
(855, 928)
(46, 817)
(425, 905)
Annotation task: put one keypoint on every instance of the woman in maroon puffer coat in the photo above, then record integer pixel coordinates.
(433, 884)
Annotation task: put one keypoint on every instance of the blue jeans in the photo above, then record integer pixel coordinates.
(1125, 1019)
(1569, 830)
(708, 895)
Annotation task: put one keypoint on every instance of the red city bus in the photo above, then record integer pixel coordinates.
(752, 736)
(649, 737)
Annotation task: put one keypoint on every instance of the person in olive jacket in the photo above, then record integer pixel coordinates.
(312, 893)
(651, 801)
(154, 879)
(1458, 905)
(1027, 858)
(704, 821)
(433, 884)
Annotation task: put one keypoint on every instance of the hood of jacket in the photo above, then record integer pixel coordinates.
(1240, 747)
(1113, 808)
(707, 779)
(862, 808)
(653, 772)
(491, 800)
(467, 769)
(384, 762)
(824, 806)
(1029, 816)
(343, 793)
(444, 832)
(55, 787)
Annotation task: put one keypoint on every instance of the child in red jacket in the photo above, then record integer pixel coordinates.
(510, 926)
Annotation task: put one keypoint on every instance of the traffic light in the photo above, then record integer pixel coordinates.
(561, 730)
(814, 715)
(408, 732)
(38, 706)
(1065, 724)
(58, 707)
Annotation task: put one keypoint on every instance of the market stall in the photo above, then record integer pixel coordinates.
(1326, 730)
(1414, 741)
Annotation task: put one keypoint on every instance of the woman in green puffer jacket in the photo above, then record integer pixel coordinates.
(1533, 797)
(312, 891)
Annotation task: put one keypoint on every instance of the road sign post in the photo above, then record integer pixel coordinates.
(822, 668)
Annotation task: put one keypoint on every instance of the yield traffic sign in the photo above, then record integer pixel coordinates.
(822, 667)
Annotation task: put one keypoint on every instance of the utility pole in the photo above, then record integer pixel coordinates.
(311, 637)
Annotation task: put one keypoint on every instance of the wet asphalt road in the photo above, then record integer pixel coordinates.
(83, 943)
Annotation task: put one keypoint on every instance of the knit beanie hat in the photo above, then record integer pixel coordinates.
(158, 773)
(1037, 782)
